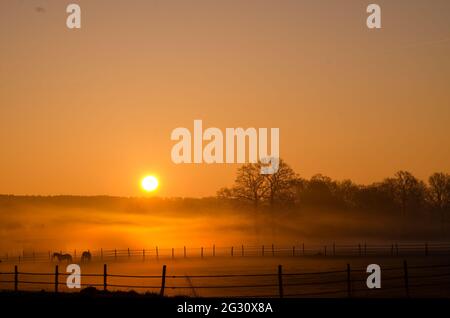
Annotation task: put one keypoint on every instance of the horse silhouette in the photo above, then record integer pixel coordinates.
(86, 256)
(62, 257)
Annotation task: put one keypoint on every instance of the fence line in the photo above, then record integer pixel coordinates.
(360, 249)
(345, 281)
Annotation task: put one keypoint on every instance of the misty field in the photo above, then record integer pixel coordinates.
(67, 223)
(136, 237)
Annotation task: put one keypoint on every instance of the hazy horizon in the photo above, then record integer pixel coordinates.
(156, 195)
(37, 223)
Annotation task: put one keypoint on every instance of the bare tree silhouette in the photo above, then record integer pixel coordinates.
(279, 186)
(439, 193)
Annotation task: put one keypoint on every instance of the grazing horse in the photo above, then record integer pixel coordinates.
(62, 257)
(86, 257)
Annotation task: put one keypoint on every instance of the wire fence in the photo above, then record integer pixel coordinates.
(400, 281)
(349, 250)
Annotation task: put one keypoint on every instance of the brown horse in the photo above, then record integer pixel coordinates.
(86, 256)
(62, 257)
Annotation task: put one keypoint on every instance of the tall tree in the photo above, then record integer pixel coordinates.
(280, 185)
(249, 184)
(318, 191)
(409, 191)
(439, 192)
(252, 186)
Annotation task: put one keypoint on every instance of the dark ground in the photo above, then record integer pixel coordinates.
(86, 304)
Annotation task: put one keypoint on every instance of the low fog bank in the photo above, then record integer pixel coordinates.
(68, 222)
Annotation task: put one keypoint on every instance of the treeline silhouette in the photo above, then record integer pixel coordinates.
(402, 194)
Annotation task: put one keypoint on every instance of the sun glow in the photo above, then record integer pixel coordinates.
(150, 183)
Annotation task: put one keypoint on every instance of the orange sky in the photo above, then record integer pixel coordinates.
(90, 111)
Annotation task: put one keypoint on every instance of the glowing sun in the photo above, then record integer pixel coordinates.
(149, 183)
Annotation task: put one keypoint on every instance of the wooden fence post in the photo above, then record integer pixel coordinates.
(157, 253)
(101, 254)
(115, 253)
(273, 250)
(173, 252)
(405, 268)
(293, 250)
(232, 249)
(349, 281)
(202, 252)
(303, 249)
(214, 250)
(128, 252)
(184, 253)
(280, 281)
(242, 254)
(359, 249)
(365, 249)
(105, 275)
(16, 278)
(163, 281)
(56, 278)
(262, 250)
(396, 248)
(143, 253)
